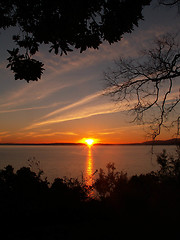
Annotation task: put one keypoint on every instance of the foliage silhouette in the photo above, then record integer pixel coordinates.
(65, 26)
(24, 67)
(169, 165)
(105, 184)
(122, 208)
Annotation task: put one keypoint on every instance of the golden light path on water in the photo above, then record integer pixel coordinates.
(89, 167)
(89, 162)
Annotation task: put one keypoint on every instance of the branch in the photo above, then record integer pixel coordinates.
(172, 3)
(148, 80)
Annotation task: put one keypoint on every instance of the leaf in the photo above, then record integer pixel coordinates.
(8, 65)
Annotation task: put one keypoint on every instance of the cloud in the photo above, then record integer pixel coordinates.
(83, 112)
(85, 100)
(28, 108)
(36, 135)
(51, 83)
(32, 93)
(106, 133)
(3, 133)
(55, 77)
(91, 105)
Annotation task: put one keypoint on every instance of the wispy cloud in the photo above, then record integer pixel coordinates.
(32, 93)
(37, 135)
(75, 61)
(3, 133)
(28, 108)
(85, 100)
(84, 112)
(106, 133)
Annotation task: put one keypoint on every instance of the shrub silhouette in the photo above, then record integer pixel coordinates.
(106, 184)
(148, 201)
(169, 165)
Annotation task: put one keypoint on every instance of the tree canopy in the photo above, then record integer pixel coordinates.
(64, 25)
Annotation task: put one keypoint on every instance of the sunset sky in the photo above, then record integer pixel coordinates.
(68, 104)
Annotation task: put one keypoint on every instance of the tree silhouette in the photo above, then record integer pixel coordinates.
(148, 80)
(169, 2)
(65, 25)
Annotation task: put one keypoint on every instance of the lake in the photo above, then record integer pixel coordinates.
(73, 161)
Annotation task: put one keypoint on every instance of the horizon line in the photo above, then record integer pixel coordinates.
(172, 141)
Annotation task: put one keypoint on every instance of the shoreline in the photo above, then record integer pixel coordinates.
(157, 142)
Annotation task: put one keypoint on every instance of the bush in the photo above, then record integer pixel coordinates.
(169, 165)
(118, 201)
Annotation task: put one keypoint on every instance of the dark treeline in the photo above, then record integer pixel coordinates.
(114, 207)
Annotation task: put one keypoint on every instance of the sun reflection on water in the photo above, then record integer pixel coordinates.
(89, 167)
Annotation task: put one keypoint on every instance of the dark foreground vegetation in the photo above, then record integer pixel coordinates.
(114, 207)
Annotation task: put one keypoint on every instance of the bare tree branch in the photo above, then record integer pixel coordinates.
(169, 2)
(147, 82)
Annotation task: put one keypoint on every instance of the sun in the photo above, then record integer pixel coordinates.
(89, 141)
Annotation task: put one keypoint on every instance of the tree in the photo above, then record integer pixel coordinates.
(169, 2)
(169, 165)
(148, 80)
(65, 25)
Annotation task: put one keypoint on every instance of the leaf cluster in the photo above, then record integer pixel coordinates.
(24, 67)
(66, 25)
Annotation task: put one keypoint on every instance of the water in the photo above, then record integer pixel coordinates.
(75, 161)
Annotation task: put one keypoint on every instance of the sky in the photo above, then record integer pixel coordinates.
(67, 103)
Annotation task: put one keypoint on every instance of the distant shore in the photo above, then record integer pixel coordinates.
(174, 141)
